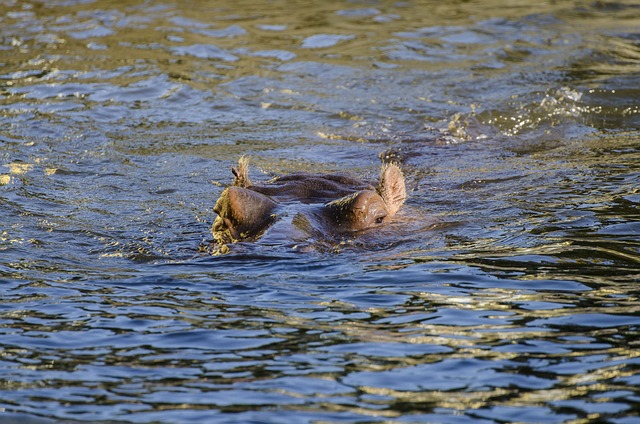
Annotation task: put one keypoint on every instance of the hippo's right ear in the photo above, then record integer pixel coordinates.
(241, 173)
(391, 188)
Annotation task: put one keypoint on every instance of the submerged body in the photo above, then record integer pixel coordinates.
(322, 204)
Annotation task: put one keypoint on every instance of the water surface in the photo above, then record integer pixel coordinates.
(506, 290)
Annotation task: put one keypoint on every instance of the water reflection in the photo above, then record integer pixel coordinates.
(485, 347)
(505, 291)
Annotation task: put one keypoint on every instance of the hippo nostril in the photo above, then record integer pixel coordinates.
(228, 225)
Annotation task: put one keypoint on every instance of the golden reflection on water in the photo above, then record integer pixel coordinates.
(99, 37)
(120, 120)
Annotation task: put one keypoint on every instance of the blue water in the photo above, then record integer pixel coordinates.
(505, 291)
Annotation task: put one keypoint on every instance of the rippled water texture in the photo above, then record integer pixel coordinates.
(505, 291)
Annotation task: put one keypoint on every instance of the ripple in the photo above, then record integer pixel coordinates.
(229, 32)
(450, 374)
(505, 291)
(204, 51)
(321, 41)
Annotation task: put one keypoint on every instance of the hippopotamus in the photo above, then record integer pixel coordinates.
(312, 206)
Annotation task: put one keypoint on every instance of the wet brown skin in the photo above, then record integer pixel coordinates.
(332, 203)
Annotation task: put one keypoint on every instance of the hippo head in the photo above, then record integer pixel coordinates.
(325, 204)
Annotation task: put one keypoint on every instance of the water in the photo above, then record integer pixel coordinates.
(506, 290)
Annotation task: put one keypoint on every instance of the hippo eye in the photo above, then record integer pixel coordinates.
(380, 219)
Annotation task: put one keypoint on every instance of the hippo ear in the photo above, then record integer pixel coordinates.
(391, 188)
(243, 212)
(241, 173)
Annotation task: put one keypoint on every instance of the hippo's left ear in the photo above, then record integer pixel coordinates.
(391, 188)
(241, 173)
